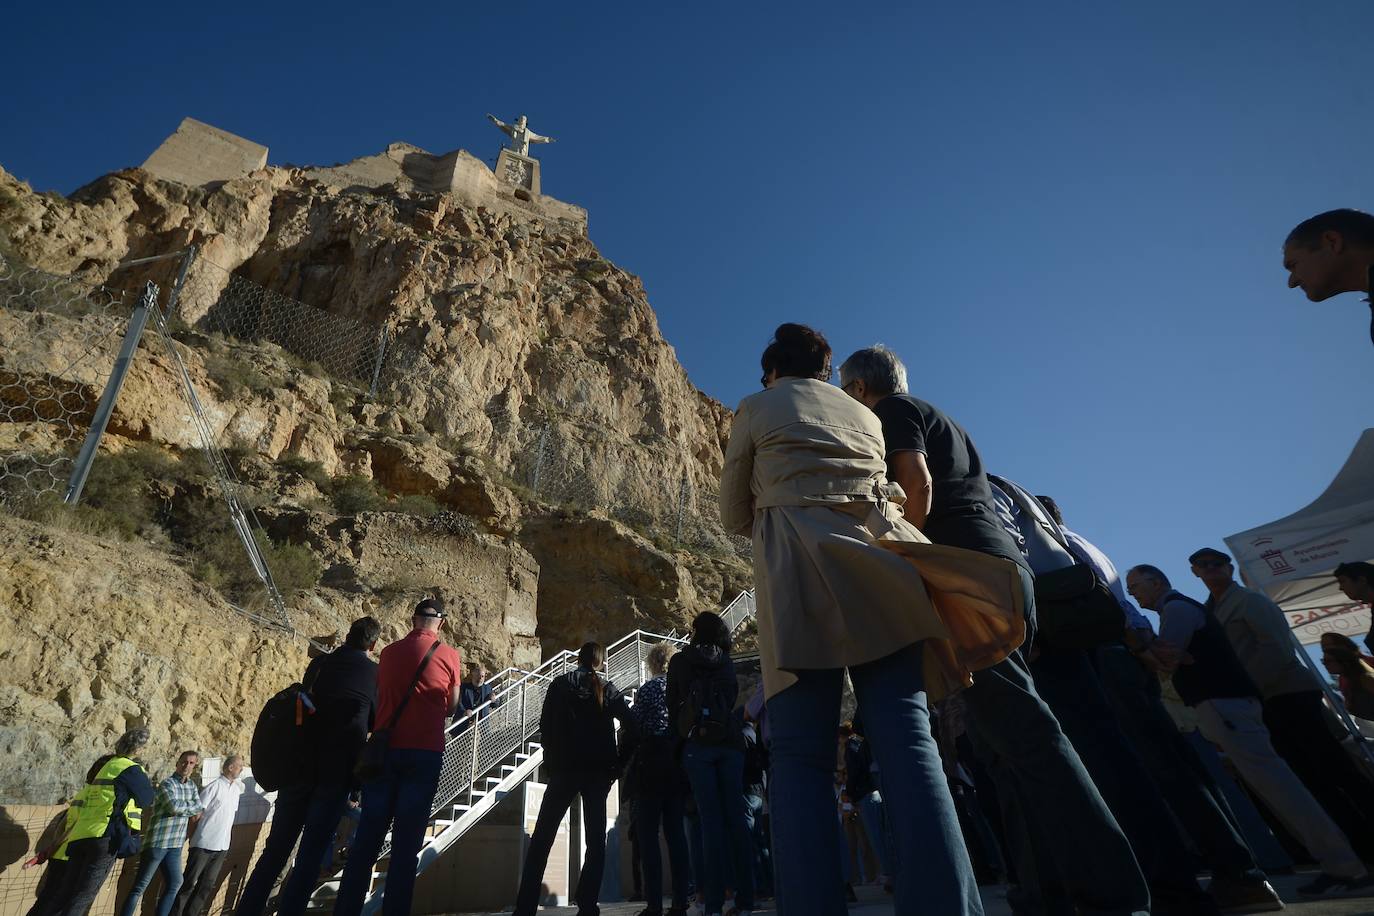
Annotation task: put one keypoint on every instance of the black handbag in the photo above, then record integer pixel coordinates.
(372, 758)
(1074, 609)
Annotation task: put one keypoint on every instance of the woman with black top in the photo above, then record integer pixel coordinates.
(702, 692)
(580, 758)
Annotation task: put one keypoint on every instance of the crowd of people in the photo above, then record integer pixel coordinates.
(1011, 722)
(1101, 804)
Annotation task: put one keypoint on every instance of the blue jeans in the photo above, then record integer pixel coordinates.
(350, 814)
(399, 799)
(649, 812)
(716, 773)
(697, 851)
(1055, 821)
(310, 813)
(169, 860)
(935, 874)
(758, 832)
(871, 813)
(562, 790)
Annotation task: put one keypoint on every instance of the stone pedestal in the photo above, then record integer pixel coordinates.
(520, 172)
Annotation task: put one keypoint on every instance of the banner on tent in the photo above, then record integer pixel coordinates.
(1347, 619)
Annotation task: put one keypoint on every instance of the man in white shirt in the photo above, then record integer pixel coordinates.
(210, 839)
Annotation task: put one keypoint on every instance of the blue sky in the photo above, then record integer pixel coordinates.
(1066, 217)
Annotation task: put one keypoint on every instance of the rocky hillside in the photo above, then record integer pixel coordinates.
(510, 338)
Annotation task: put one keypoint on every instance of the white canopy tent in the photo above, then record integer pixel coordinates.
(1291, 559)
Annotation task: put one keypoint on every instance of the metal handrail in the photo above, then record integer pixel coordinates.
(493, 735)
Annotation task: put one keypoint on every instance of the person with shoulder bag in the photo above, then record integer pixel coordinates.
(418, 683)
(577, 732)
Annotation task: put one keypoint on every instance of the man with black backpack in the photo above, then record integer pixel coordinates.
(342, 688)
(1210, 677)
(581, 757)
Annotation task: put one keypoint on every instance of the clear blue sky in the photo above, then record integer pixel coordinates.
(1066, 217)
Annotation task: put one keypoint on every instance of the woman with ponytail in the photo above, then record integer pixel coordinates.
(577, 731)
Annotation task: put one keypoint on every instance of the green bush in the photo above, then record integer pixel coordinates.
(234, 376)
(49, 509)
(312, 471)
(354, 493)
(218, 557)
(416, 504)
(120, 496)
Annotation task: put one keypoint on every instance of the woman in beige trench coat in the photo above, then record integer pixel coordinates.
(842, 581)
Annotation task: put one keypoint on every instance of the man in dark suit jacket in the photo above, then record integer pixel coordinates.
(343, 687)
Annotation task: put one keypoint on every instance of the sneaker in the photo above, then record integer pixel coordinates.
(1325, 884)
(1244, 896)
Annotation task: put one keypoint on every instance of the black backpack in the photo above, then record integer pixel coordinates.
(1074, 609)
(279, 748)
(704, 716)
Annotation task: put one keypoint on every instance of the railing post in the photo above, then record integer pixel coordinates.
(377, 366)
(138, 320)
(639, 657)
(524, 708)
(472, 773)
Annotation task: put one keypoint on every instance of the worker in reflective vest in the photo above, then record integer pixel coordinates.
(102, 825)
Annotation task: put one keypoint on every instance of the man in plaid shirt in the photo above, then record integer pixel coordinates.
(164, 834)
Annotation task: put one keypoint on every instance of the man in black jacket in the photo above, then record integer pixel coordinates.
(577, 731)
(343, 687)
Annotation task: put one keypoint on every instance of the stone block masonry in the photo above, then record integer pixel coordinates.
(198, 154)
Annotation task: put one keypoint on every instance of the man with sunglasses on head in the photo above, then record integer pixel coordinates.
(1291, 696)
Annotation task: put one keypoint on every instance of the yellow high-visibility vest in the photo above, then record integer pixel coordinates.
(90, 811)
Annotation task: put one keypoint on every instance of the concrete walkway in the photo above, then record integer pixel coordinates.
(873, 902)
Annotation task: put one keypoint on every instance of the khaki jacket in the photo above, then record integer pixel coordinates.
(840, 577)
(1259, 632)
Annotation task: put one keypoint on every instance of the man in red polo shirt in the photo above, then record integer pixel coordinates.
(400, 798)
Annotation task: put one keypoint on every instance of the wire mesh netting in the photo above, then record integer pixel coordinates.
(215, 301)
(58, 341)
(583, 464)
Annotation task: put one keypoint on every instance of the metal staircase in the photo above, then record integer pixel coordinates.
(492, 750)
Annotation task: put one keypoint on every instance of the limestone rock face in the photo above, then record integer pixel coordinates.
(601, 580)
(97, 637)
(101, 637)
(504, 326)
(529, 409)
